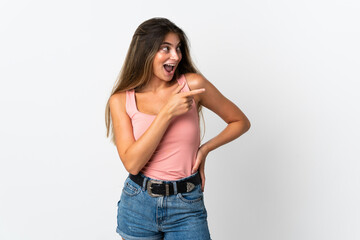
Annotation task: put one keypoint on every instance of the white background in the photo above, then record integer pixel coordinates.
(291, 66)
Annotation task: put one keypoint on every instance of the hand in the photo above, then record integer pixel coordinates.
(180, 102)
(200, 164)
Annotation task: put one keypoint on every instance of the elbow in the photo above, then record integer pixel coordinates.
(245, 124)
(129, 163)
(133, 171)
(130, 168)
(248, 125)
(133, 163)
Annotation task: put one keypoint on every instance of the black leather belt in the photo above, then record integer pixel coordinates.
(157, 188)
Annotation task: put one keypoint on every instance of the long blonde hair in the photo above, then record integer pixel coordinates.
(137, 68)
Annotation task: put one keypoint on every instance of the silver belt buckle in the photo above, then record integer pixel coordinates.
(149, 187)
(189, 186)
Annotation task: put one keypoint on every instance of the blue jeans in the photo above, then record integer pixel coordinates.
(179, 216)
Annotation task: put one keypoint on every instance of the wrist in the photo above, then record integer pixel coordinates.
(205, 148)
(165, 115)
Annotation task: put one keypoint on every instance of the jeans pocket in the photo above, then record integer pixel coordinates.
(195, 195)
(131, 188)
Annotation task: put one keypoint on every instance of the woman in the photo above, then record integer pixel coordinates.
(154, 109)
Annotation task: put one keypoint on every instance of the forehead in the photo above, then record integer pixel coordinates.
(172, 38)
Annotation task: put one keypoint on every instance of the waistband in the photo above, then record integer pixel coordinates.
(157, 188)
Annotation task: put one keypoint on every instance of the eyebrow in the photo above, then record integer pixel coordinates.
(167, 43)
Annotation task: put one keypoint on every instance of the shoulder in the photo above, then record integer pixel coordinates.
(117, 102)
(195, 80)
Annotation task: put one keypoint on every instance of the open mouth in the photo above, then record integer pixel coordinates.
(169, 67)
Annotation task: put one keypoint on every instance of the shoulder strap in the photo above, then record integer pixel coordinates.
(130, 103)
(182, 79)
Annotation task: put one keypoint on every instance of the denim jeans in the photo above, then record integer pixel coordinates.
(179, 216)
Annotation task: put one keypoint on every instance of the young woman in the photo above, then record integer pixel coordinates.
(153, 114)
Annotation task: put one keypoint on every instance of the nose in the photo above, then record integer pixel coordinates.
(175, 55)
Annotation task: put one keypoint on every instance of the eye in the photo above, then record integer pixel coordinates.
(165, 48)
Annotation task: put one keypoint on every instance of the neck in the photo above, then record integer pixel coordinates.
(156, 85)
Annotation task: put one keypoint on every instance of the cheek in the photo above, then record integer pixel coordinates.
(157, 62)
(158, 67)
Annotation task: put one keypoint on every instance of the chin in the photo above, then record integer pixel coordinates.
(166, 77)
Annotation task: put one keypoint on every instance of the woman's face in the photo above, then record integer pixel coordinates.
(167, 58)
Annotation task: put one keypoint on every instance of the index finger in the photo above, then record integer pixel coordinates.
(193, 92)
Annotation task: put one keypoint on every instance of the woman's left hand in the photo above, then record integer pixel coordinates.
(200, 164)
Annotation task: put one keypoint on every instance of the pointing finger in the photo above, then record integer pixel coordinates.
(194, 92)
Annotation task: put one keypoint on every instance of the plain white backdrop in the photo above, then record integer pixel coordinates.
(291, 66)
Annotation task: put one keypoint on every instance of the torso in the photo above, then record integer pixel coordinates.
(175, 154)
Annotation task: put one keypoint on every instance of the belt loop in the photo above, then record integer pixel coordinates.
(144, 183)
(167, 192)
(175, 188)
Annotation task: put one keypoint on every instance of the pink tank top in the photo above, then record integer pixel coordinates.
(175, 155)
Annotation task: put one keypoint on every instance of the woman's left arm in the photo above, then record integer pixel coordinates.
(212, 99)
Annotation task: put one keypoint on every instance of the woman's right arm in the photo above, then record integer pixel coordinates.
(135, 154)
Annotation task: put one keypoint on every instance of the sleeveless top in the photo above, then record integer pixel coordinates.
(175, 155)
